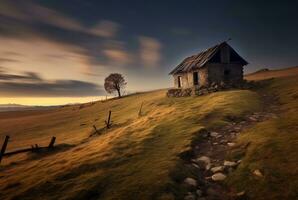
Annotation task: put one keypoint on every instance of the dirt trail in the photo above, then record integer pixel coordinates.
(211, 152)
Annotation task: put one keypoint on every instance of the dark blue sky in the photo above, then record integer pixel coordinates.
(143, 40)
(264, 32)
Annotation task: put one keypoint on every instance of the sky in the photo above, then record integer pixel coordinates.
(60, 51)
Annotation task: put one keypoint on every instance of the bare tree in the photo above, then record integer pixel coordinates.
(114, 82)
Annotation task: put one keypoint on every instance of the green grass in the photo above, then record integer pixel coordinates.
(273, 149)
(133, 160)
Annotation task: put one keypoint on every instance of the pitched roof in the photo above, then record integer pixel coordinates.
(200, 59)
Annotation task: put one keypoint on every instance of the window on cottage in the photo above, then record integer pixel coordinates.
(179, 81)
(195, 78)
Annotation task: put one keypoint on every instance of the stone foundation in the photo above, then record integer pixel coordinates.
(180, 92)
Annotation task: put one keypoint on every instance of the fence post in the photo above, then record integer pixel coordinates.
(109, 119)
(95, 129)
(52, 142)
(4, 147)
(140, 111)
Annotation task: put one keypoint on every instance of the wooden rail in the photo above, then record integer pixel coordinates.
(33, 148)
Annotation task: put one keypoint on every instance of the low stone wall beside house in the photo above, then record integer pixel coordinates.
(180, 92)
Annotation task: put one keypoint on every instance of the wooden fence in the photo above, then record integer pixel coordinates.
(33, 148)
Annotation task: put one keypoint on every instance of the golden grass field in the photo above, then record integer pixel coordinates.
(134, 159)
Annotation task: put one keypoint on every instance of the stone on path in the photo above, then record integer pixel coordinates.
(231, 144)
(205, 160)
(218, 177)
(217, 169)
(191, 181)
(229, 163)
(251, 118)
(240, 194)
(258, 173)
(214, 134)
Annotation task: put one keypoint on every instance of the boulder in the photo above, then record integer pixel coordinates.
(229, 163)
(253, 119)
(231, 144)
(218, 177)
(217, 169)
(258, 173)
(190, 181)
(205, 161)
(214, 134)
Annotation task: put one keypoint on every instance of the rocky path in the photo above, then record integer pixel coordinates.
(211, 151)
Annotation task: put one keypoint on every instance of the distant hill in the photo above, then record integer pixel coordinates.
(12, 105)
(268, 73)
(19, 107)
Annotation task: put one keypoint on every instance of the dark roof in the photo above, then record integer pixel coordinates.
(200, 59)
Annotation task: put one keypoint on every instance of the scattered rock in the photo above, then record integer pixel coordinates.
(218, 177)
(217, 169)
(240, 194)
(214, 134)
(191, 181)
(195, 165)
(205, 161)
(237, 128)
(229, 163)
(223, 141)
(231, 144)
(190, 197)
(199, 193)
(258, 173)
(208, 166)
(251, 118)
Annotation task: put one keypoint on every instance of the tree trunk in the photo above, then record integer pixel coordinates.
(119, 94)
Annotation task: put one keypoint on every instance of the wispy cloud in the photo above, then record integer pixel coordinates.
(150, 54)
(31, 84)
(105, 28)
(34, 13)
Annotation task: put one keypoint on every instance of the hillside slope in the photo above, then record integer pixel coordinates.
(273, 145)
(137, 157)
(133, 160)
(266, 74)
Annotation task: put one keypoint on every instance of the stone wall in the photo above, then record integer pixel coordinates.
(187, 78)
(214, 87)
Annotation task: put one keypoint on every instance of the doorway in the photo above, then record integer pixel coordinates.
(179, 81)
(195, 78)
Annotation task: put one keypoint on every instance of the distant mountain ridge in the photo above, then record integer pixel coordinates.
(9, 105)
(19, 107)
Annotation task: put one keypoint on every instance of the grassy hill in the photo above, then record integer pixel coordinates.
(136, 157)
(273, 144)
(266, 74)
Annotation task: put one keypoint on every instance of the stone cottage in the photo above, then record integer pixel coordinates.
(216, 65)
